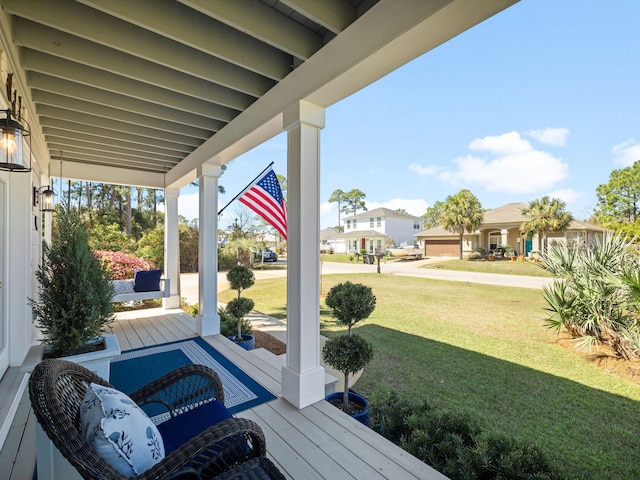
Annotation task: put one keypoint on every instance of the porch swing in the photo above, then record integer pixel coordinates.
(145, 285)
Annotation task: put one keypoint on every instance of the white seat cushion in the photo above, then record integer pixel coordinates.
(123, 286)
(119, 431)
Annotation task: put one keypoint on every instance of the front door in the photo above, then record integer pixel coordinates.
(4, 327)
(363, 244)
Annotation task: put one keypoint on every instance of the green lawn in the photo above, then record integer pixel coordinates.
(484, 349)
(339, 257)
(497, 266)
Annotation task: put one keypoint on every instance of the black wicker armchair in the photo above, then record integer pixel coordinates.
(57, 388)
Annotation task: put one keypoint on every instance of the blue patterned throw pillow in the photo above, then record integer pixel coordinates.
(119, 431)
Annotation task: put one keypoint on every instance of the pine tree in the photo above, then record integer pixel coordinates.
(75, 300)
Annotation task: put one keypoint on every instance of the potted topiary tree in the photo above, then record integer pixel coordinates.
(241, 278)
(349, 353)
(75, 306)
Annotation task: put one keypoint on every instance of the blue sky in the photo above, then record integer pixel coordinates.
(541, 99)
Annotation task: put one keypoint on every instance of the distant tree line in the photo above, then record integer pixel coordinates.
(618, 206)
(127, 219)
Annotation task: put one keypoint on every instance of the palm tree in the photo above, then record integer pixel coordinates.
(462, 213)
(545, 215)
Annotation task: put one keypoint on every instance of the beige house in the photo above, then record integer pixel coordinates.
(501, 226)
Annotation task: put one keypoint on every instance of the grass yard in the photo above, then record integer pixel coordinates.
(339, 257)
(497, 266)
(485, 350)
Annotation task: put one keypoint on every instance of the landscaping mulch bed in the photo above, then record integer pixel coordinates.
(605, 358)
(269, 342)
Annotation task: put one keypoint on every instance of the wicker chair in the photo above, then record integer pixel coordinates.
(57, 388)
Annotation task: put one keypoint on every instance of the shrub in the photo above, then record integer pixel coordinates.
(455, 444)
(151, 247)
(122, 266)
(190, 309)
(189, 248)
(74, 304)
(594, 298)
(229, 324)
(109, 237)
(227, 259)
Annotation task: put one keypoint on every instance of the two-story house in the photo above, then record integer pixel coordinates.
(374, 230)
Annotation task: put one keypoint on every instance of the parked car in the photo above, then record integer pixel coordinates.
(267, 255)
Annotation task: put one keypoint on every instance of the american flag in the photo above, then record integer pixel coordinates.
(264, 196)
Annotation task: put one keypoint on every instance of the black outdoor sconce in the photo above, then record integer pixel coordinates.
(12, 135)
(43, 196)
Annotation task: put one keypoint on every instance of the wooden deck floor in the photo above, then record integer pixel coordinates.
(318, 442)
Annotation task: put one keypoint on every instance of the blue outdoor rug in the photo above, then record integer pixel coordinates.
(135, 368)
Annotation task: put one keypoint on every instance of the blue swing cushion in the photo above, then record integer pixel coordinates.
(147, 280)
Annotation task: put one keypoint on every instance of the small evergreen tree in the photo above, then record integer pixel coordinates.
(75, 299)
(240, 278)
(351, 303)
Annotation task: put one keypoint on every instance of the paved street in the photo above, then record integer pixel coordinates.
(409, 268)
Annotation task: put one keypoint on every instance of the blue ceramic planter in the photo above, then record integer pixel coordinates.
(248, 341)
(362, 417)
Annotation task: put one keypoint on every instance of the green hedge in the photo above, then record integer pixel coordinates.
(455, 444)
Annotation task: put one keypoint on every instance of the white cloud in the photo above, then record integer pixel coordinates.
(510, 143)
(567, 195)
(627, 153)
(415, 207)
(424, 171)
(551, 136)
(513, 166)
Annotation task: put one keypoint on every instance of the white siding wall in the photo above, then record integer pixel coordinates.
(400, 230)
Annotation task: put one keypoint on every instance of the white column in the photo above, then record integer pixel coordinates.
(207, 320)
(303, 376)
(504, 233)
(171, 247)
(19, 282)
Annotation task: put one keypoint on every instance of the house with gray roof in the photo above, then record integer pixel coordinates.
(374, 230)
(501, 226)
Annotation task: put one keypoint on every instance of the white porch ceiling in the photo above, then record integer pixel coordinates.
(146, 91)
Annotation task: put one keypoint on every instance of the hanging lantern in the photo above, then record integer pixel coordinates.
(12, 135)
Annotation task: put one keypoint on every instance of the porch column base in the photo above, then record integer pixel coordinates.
(302, 389)
(171, 302)
(207, 325)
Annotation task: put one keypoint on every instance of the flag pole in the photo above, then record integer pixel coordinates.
(248, 185)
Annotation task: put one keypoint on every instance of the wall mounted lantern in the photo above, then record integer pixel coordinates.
(43, 196)
(12, 134)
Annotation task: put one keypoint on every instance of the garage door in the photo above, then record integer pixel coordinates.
(442, 248)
